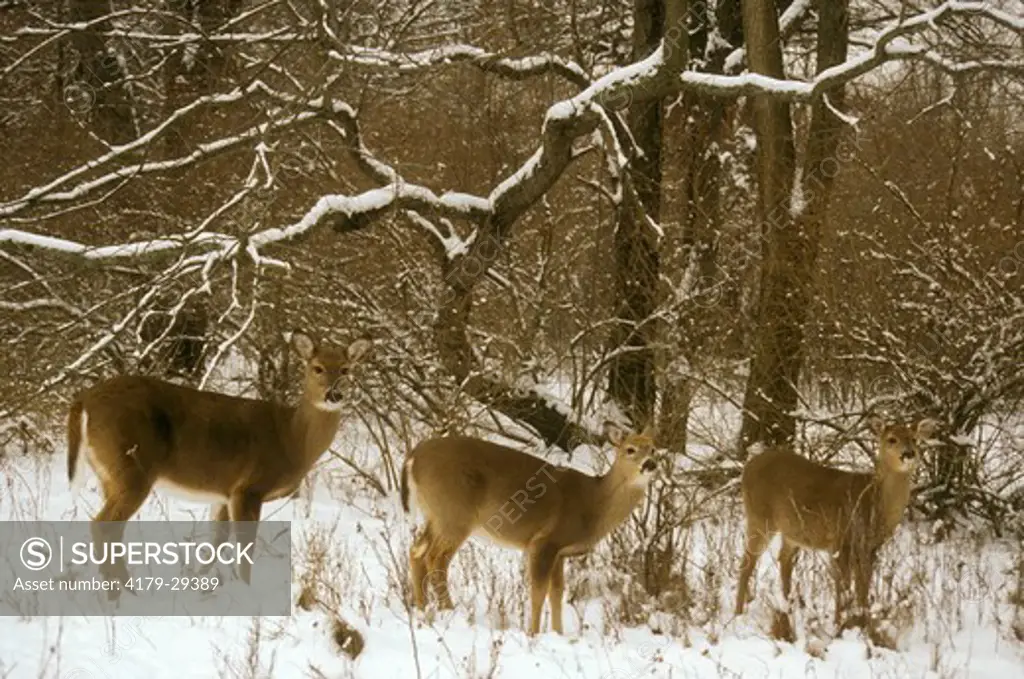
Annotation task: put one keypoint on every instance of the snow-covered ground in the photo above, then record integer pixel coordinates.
(950, 608)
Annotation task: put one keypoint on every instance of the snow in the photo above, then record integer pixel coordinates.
(353, 544)
(797, 200)
(606, 85)
(411, 61)
(125, 250)
(737, 84)
(524, 172)
(370, 201)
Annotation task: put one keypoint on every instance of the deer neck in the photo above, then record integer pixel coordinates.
(618, 494)
(312, 430)
(893, 495)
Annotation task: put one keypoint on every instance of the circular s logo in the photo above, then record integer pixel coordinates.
(36, 554)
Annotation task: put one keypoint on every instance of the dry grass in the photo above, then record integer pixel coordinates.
(350, 572)
(923, 591)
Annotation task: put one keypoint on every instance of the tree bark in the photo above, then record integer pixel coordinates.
(631, 380)
(791, 243)
(706, 119)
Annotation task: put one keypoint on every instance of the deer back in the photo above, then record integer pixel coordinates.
(196, 439)
(478, 485)
(813, 505)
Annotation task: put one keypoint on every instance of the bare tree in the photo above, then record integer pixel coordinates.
(237, 209)
(631, 373)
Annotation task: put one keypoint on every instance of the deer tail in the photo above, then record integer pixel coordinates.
(76, 421)
(404, 485)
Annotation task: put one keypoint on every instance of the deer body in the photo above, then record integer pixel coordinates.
(819, 507)
(849, 514)
(467, 486)
(163, 428)
(138, 433)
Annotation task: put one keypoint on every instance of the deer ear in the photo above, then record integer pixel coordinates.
(304, 345)
(926, 427)
(876, 424)
(358, 349)
(614, 432)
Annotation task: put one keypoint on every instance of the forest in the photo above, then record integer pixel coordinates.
(730, 225)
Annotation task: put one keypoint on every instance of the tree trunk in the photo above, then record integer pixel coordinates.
(705, 132)
(631, 371)
(790, 242)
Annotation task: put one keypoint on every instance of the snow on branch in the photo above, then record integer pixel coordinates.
(514, 68)
(494, 214)
(643, 80)
(890, 44)
(121, 250)
(62, 189)
(565, 121)
(358, 209)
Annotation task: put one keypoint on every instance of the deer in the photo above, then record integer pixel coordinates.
(140, 433)
(849, 514)
(467, 486)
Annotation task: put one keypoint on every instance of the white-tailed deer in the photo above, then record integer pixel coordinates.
(849, 514)
(139, 432)
(467, 486)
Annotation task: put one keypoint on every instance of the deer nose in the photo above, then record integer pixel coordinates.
(649, 465)
(333, 395)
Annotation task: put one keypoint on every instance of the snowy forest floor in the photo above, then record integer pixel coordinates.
(953, 609)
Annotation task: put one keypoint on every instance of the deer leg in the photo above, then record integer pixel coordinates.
(439, 558)
(787, 559)
(121, 501)
(220, 513)
(221, 531)
(542, 561)
(864, 568)
(841, 575)
(244, 509)
(439, 574)
(555, 592)
(418, 566)
(757, 541)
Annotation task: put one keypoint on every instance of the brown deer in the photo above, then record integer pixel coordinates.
(140, 432)
(849, 514)
(467, 486)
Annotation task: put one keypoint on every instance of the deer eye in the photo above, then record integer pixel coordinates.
(892, 440)
(630, 450)
(318, 369)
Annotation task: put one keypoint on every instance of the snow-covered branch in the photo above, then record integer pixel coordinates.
(892, 43)
(513, 68)
(64, 188)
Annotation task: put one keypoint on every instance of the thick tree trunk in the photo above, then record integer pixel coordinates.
(790, 231)
(461, 274)
(631, 371)
(705, 132)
